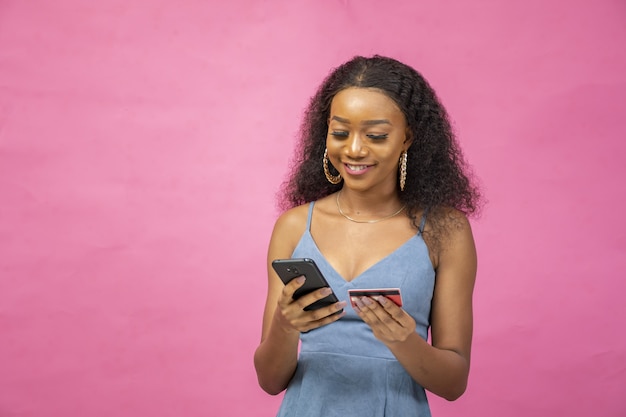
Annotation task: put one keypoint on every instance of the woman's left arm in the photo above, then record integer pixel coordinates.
(443, 367)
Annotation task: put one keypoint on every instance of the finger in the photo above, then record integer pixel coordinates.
(308, 320)
(375, 314)
(322, 313)
(364, 307)
(396, 312)
(310, 298)
(324, 321)
(387, 312)
(296, 283)
(291, 287)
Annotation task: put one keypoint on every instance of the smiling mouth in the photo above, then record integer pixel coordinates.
(357, 167)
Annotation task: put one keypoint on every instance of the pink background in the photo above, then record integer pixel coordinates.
(142, 144)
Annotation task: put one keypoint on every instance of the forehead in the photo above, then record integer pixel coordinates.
(364, 103)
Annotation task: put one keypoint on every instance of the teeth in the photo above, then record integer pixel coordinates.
(357, 167)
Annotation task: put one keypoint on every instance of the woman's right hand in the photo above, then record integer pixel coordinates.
(291, 315)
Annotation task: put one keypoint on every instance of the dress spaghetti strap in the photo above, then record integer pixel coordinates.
(308, 220)
(422, 222)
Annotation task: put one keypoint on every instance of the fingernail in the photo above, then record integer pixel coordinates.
(366, 300)
(300, 280)
(381, 300)
(326, 291)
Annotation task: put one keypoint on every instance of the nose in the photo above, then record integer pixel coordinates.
(355, 147)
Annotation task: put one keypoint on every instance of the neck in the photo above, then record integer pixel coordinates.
(362, 209)
(379, 203)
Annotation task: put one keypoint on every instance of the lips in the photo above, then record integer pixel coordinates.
(357, 169)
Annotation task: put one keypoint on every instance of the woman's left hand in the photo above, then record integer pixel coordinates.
(389, 322)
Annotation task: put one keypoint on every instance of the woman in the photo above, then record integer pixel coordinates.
(378, 198)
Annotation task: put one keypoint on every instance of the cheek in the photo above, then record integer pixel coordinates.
(333, 146)
(334, 152)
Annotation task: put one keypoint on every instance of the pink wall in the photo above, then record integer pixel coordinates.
(142, 143)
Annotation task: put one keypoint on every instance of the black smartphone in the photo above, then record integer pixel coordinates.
(288, 269)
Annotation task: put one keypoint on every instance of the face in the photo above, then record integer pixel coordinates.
(367, 132)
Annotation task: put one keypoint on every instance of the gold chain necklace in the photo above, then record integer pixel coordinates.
(366, 221)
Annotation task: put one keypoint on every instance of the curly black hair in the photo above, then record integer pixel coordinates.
(437, 176)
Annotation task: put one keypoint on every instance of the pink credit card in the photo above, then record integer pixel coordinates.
(392, 293)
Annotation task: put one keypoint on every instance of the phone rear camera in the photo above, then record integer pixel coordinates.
(293, 270)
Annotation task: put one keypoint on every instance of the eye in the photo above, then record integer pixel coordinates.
(380, 136)
(339, 133)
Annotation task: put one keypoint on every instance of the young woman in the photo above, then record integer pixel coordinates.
(378, 198)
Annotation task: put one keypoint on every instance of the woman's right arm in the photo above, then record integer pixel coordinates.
(276, 357)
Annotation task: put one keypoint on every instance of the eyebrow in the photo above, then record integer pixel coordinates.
(365, 122)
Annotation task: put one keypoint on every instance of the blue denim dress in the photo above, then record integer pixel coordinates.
(343, 370)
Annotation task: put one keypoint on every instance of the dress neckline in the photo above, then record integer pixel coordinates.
(376, 264)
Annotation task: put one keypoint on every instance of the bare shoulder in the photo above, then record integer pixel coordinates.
(293, 219)
(445, 231)
(455, 222)
(457, 251)
(289, 228)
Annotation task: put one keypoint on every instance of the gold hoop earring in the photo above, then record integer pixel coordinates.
(333, 179)
(403, 159)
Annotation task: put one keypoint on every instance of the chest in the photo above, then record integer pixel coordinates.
(354, 248)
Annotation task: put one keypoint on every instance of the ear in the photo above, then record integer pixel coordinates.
(408, 139)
